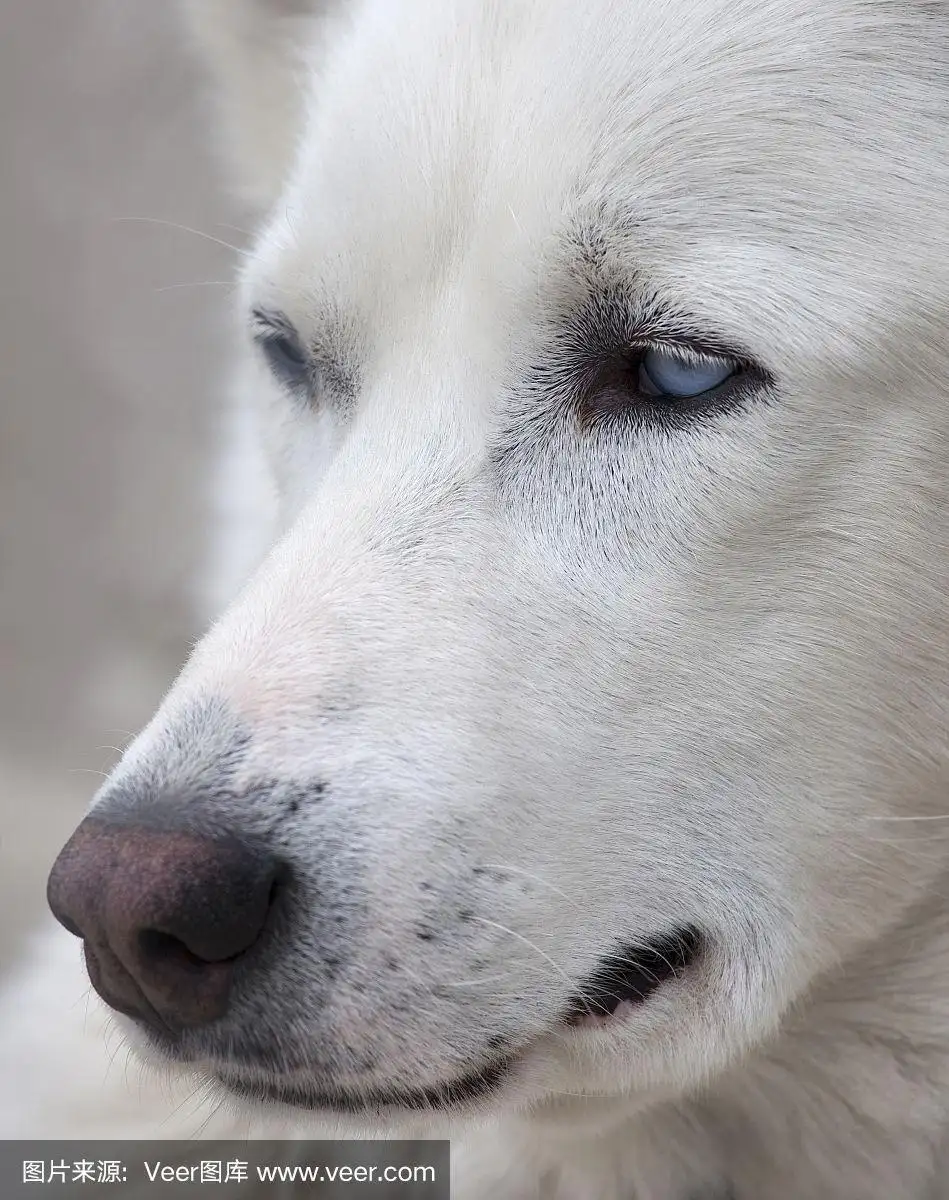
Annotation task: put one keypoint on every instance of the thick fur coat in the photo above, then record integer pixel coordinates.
(541, 660)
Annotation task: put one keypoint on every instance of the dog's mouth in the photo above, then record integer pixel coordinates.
(628, 976)
(621, 983)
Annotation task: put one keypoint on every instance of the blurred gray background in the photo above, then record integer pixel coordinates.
(113, 332)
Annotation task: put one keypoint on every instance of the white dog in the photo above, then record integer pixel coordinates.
(572, 774)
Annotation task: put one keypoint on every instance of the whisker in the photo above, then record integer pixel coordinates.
(197, 283)
(527, 942)
(114, 1055)
(935, 817)
(83, 999)
(202, 1086)
(236, 228)
(463, 983)
(530, 875)
(215, 1109)
(184, 229)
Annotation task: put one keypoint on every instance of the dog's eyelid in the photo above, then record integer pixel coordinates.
(269, 323)
(615, 324)
(691, 352)
(696, 348)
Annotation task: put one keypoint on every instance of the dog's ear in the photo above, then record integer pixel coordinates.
(260, 54)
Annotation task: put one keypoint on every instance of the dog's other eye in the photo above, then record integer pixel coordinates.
(287, 359)
(676, 373)
(284, 351)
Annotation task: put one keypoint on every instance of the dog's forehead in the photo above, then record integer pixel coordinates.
(740, 144)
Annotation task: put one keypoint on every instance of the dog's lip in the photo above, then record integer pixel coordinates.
(465, 1089)
(262, 1083)
(622, 982)
(619, 985)
(626, 977)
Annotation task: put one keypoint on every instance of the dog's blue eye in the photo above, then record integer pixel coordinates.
(287, 359)
(680, 375)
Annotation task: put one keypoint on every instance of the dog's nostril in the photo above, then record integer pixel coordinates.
(164, 948)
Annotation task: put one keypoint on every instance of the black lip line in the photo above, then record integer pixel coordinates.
(466, 1089)
(633, 973)
(627, 973)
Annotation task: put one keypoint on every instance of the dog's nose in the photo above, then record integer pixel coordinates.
(165, 915)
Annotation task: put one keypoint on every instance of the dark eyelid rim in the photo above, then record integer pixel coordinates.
(589, 343)
(269, 322)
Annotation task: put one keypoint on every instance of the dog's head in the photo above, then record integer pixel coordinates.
(591, 701)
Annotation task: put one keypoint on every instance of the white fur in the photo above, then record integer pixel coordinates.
(644, 679)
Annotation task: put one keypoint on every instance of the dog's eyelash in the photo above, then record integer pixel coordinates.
(690, 353)
(267, 322)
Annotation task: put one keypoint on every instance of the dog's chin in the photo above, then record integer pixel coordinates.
(388, 1105)
(370, 1108)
